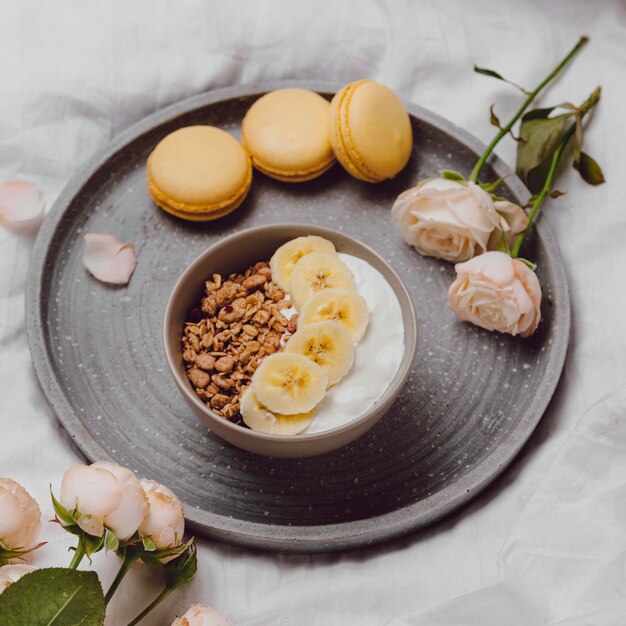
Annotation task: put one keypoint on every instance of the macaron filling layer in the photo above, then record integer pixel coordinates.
(162, 198)
(198, 213)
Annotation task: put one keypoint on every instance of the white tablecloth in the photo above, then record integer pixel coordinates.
(546, 544)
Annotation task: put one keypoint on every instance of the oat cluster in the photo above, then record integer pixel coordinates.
(239, 321)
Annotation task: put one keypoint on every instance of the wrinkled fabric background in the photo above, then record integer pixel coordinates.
(546, 543)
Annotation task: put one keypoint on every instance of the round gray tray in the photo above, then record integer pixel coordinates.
(471, 402)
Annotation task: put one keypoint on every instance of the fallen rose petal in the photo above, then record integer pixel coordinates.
(109, 260)
(20, 202)
(199, 615)
(10, 574)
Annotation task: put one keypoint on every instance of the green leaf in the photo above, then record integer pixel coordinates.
(493, 118)
(92, 544)
(53, 597)
(555, 193)
(492, 74)
(7, 555)
(64, 516)
(503, 246)
(148, 544)
(451, 175)
(527, 263)
(487, 72)
(492, 186)
(589, 169)
(183, 569)
(111, 542)
(535, 114)
(158, 558)
(577, 144)
(539, 138)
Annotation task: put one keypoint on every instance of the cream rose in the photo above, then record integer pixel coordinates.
(453, 220)
(513, 220)
(10, 574)
(497, 292)
(104, 495)
(165, 522)
(201, 616)
(20, 517)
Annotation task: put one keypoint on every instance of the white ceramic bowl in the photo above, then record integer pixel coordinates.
(234, 254)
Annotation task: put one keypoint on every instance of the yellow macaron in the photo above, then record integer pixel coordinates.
(286, 133)
(370, 131)
(199, 173)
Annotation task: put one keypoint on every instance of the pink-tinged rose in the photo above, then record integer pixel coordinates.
(21, 203)
(165, 522)
(125, 520)
(104, 495)
(497, 292)
(109, 260)
(446, 219)
(513, 221)
(20, 517)
(10, 574)
(199, 615)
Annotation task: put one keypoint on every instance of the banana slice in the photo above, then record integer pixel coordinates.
(339, 305)
(289, 383)
(262, 420)
(285, 258)
(317, 271)
(326, 343)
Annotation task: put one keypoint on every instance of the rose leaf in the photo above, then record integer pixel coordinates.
(53, 596)
(589, 169)
(539, 138)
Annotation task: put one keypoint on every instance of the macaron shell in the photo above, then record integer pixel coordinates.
(198, 169)
(372, 131)
(336, 138)
(286, 133)
(196, 213)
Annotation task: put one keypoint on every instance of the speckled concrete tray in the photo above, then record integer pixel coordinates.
(471, 402)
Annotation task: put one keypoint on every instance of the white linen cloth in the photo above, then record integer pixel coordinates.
(546, 544)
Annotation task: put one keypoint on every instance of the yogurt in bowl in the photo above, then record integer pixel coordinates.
(317, 391)
(377, 356)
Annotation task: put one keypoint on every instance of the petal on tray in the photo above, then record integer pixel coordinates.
(20, 202)
(109, 260)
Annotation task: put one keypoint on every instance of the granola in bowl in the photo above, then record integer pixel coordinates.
(239, 321)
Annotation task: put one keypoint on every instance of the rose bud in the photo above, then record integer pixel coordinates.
(497, 292)
(513, 221)
(20, 517)
(165, 522)
(453, 220)
(104, 495)
(201, 616)
(10, 574)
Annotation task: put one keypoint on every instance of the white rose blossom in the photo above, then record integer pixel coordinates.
(10, 574)
(165, 522)
(497, 292)
(199, 615)
(455, 221)
(105, 495)
(20, 517)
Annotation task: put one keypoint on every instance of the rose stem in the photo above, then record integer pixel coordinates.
(79, 553)
(531, 96)
(547, 185)
(166, 592)
(130, 556)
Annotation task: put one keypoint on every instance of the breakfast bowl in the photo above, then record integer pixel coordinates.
(377, 376)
